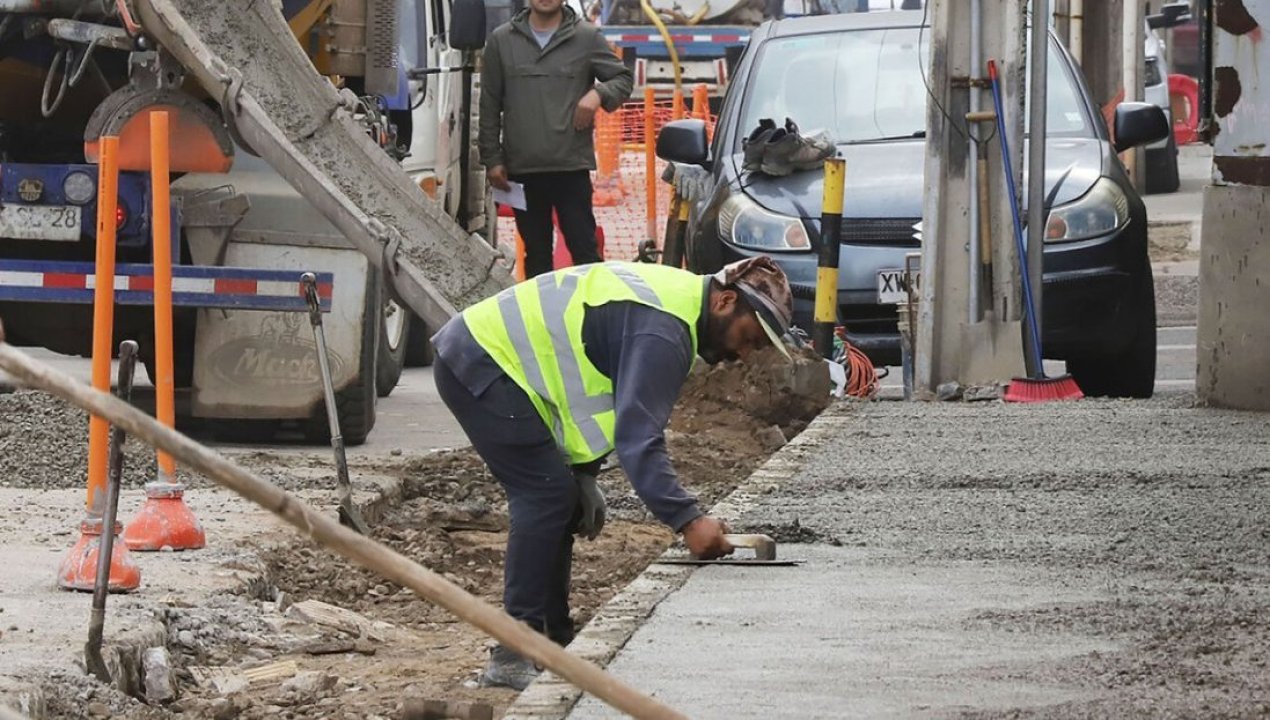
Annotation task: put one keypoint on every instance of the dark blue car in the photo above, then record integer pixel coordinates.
(859, 78)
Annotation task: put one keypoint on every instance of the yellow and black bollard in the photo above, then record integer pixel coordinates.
(826, 315)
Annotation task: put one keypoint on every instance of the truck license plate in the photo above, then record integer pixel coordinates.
(40, 222)
(892, 288)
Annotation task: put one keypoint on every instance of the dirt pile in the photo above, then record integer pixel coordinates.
(742, 401)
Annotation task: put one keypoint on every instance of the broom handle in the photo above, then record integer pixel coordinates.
(343, 541)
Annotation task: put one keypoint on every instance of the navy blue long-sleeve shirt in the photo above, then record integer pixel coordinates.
(647, 353)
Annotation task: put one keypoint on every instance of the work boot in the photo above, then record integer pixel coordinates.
(788, 150)
(506, 668)
(756, 143)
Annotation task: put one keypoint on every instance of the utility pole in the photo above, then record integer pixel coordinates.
(971, 338)
(1234, 274)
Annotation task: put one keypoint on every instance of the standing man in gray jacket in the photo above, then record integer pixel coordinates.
(543, 77)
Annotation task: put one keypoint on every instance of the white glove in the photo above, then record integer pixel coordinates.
(838, 374)
(692, 182)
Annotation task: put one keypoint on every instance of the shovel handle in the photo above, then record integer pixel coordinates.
(309, 282)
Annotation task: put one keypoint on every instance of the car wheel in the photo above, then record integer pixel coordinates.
(1161, 167)
(1130, 374)
(394, 338)
(418, 345)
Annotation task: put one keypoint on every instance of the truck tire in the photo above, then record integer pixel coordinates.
(1131, 373)
(394, 338)
(419, 346)
(355, 404)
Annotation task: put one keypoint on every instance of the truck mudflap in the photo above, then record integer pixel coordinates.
(243, 53)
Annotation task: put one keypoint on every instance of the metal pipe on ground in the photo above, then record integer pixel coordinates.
(826, 314)
(331, 534)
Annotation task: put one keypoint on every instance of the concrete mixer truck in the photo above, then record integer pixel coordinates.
(290, 122)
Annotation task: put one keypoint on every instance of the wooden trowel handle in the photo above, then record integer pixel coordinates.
(764, 546)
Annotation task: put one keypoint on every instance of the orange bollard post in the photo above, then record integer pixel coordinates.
(164, 521)
(701, 102)
(650, 161)
(701, 108)
(677, 109)
(78, 570)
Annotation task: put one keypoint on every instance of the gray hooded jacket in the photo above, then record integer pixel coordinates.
(529, 94)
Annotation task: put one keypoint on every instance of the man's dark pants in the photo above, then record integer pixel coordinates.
(510, 436)
(569, 195)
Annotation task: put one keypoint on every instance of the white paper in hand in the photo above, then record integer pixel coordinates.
(514, 195)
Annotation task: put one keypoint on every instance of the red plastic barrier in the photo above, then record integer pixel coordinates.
(1184, 89)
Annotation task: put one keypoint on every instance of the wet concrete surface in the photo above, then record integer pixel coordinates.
(1089, 559)
(849, 634)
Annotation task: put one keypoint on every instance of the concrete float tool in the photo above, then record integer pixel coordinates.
(349, 515)
(764, 548)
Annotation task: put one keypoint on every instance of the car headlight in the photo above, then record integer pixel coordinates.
(742, 222)
(79, 188)
(1101, 211)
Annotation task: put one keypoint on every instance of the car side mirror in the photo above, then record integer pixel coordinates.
(685, 142)
(1171, 15)
(1139, 124)
(467, 25)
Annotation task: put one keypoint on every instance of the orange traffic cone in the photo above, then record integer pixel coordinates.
(79, 569)
(165, 521)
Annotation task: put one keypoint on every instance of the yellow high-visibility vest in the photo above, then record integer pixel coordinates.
(534, 332)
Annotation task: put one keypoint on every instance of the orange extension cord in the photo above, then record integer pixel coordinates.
(862, 377)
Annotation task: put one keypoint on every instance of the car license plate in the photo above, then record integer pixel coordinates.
(892, 289)
(40, 222)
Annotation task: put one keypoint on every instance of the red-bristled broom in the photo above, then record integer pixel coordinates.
(1038, 388)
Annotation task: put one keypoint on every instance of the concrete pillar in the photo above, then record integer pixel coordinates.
(1102, 30)
(1234, 289)
(954, 341)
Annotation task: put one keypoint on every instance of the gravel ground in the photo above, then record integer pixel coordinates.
(1161, 509)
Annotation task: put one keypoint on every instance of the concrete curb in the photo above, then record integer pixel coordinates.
(249, 577)
(552, 698)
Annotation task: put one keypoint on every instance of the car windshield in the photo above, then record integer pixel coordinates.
(867, 85)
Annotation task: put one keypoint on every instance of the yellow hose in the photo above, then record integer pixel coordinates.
(701, 14)
(665, 36)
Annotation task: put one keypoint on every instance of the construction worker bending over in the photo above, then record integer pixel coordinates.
(548, 377)
(543, 77)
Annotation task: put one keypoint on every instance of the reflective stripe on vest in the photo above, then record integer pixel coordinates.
(533, 331)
